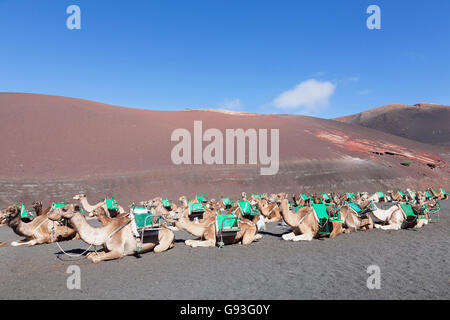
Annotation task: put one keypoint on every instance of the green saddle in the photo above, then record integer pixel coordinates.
(196, 208)
(144, 219)
(60, 205)
(380, 194)
(350, 195)
(354, 207)
(167, 204)
(227, 223)
(407, 210)
(325, 213)
(202, 198)
(227, 202)
(443, 192)
(24, 214)
(247, 209)
(111, 204)
(325, 197)
(428, 195)
(304, 196)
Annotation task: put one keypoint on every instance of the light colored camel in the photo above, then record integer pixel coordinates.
(352, 221)
(206, 230)
(115, 236)
(394, 218)
(269, 210)
(304, 224)
(39, 231)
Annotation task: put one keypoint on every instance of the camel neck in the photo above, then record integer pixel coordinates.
(89, 234)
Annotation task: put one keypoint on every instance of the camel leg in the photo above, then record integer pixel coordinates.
(23, 243)
(103, 256)
(391, 227)
(199, 243)
(337, 229)
(249, 238)
(288, 236)
(303, 237)
(164, 243)
(3, 244)
(420, 223)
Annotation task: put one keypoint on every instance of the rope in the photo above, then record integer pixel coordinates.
(69, 254)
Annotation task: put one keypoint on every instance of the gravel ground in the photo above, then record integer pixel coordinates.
(413, 264)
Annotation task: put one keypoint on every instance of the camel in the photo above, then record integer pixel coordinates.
(353, 219)
(397, 197)
(300, 201)
(394, 218)
(439, 195)
(89, 208)
(376, 197)
(304, 224)
(206, 230)
(39, 231)
(269, 210)
(3, 221)
(116, 235)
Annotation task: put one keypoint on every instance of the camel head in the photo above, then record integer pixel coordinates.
(79, 196)
(11, 213)
(37, 206)
(66, 212)
(175, 215)
(99, 212)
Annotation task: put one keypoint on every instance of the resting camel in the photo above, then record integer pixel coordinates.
(304, 223)
(396, 196)
(87, 207)
(206, 230)
(440, 194)
(394, 218)
(39, 231)
(269, 210)
(352, 221)
(116, 235)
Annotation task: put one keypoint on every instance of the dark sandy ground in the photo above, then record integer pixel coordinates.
(414, 265)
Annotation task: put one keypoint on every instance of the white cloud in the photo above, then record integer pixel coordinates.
(308, 96)
(233, 104)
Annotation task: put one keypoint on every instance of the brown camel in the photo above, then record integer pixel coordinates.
(39, 231)
(304, 224)
(439, 194)
(269, 210)
(356, 217)
(206, 230)
(116, 235)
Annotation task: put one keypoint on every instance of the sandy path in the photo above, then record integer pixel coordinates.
(414, 265)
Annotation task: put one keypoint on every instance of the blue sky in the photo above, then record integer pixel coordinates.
(307, 57)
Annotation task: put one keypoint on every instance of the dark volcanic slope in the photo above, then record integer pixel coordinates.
(55, 146)
(429, 123)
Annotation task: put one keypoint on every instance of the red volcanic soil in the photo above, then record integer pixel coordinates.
(53, 147)
(424, 122)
